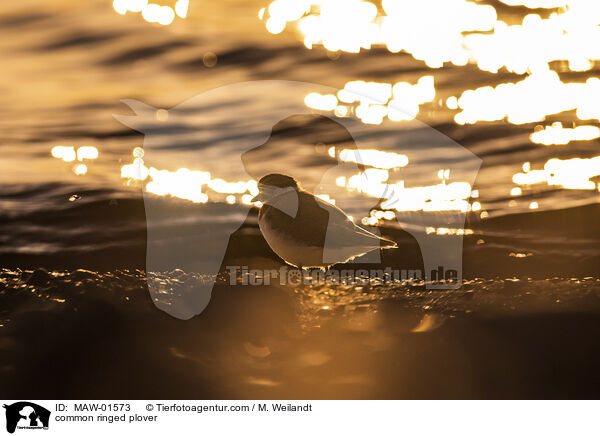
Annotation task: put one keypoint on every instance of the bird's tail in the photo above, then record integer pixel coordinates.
(386, 243)
(383, 242)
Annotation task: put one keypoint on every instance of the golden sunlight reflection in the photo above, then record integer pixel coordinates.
(556, 134)
(69, 154)
(445, 231)
(320, 102)
(151, 12)
(536, 42)
(352, 25)
(87, 152)
(187, 184)
(65, 153)
(371, 102)
(445, 196)
(136, 170)
(374, 158)
(530, 100)
(535, 4)
(440, 197)
(474, 34)
(569, 174)
(80, 169)
(201, 187)
(183, 183)
(181, 8)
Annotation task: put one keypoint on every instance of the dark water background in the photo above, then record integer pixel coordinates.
(74, 304)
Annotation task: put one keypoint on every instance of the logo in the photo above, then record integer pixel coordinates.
(202, 158)
(24, 415)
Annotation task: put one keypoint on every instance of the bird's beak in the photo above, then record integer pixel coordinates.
(257, 198)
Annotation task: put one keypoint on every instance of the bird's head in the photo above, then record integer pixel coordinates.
(273, 185)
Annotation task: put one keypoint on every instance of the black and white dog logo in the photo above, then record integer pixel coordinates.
(26, 415)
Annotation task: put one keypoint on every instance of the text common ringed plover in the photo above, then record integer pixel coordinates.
(300, 228)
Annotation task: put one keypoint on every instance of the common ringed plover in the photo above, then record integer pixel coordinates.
(306, 231)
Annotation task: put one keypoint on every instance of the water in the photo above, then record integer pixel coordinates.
(531, 292)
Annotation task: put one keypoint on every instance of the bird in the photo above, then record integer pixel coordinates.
(306, 231)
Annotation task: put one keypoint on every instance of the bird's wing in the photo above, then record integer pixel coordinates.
(341, 231)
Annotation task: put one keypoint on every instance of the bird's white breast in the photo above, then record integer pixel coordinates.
(289, 248)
